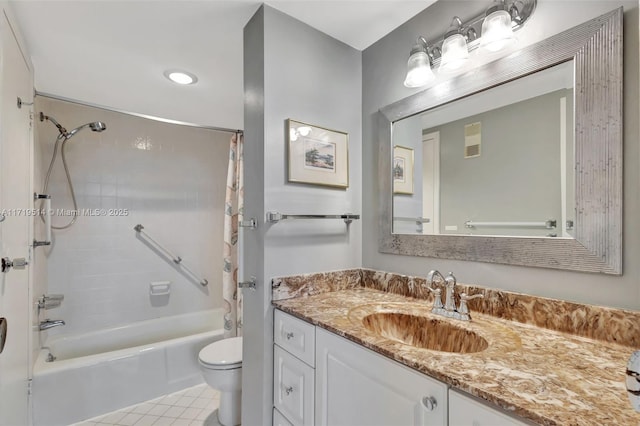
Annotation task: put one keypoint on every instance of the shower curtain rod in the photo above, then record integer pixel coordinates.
(135, 114)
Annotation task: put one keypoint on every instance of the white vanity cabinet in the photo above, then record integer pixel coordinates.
(356, 386)
(323, 379)
(293, 371)
(467, 411)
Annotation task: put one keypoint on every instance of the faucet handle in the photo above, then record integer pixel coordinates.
(450, 279)
(463, 310)
(437, 297)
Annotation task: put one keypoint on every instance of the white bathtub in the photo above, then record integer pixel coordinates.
(109, 369)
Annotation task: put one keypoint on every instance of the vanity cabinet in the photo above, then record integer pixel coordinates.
(293, 371)
(356, 386)
(323, 379)
(467, 411)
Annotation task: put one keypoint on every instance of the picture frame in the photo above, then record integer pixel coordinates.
(402, 170)
(317, 155)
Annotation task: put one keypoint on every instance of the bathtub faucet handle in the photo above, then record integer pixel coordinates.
(50, 301)
(47, 324)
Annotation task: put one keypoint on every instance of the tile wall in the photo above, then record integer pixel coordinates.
(168, 177)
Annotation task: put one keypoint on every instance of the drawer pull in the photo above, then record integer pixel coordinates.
(289, 335)
(429, 403)
(288, 390)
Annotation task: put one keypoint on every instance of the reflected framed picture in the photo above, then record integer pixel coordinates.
(317, 155)
(402, 170)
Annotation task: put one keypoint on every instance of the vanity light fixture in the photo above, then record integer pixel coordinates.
(497, 31)
(181, 77)
(492, 29)
(419, 70)
(455, 51)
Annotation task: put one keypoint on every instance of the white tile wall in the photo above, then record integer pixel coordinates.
(171, 179)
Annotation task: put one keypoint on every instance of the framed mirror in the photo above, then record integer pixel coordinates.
(518, 161)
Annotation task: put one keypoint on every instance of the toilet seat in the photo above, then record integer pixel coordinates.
(224, 354)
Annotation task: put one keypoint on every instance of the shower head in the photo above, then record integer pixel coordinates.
(96, 126)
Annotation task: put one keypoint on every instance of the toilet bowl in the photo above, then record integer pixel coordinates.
(221, 366)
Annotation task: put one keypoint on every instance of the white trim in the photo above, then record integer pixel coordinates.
(435, 217)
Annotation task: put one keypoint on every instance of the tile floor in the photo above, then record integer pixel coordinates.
(193, 406)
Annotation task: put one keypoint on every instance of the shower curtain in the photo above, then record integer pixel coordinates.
(233, 208)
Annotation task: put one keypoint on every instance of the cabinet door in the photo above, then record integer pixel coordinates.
(466, 411)
(279, 419)
(293, 387)
(356, 386)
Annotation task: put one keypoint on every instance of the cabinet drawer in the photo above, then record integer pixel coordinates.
(279, 419)
(466, 411)
(293, 388)
(296, 336)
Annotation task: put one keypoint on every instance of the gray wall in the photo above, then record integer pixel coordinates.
(383, 73)
(292, 71)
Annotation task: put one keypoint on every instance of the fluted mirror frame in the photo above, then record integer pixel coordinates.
(596, 48)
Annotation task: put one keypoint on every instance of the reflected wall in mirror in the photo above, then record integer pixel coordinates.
(500, 162)
(463, 194)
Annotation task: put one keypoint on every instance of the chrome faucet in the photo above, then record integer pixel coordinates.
(449, 308)
(449, 299)
(47, 324)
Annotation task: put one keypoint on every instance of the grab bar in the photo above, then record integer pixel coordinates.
(549, 224)
(47, 220)
(275, 217)
(419, 221)
(175, 259)
(412, 219)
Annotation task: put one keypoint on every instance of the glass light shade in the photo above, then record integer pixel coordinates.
(497, 32)
(418, 70)
(454, 53)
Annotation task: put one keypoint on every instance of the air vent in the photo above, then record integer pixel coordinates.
(472, 140)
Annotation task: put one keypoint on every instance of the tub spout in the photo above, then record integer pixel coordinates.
(47, 324)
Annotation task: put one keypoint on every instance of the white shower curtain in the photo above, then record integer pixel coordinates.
(233, 208)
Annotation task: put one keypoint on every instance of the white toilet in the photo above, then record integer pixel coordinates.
(221, 366)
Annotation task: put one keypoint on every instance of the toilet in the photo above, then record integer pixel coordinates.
(221, 366)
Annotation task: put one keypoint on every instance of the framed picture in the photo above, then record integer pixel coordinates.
(317, 156)
(402, 170)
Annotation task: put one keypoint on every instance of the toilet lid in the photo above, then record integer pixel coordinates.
(222, 353)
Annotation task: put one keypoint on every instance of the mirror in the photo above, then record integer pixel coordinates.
(487, 214)
(499, 162)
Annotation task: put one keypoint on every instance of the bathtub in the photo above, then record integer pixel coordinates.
(109, 369)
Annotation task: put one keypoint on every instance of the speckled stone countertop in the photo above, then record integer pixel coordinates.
(545, 376)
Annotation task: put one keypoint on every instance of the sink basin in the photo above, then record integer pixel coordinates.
(424, 332)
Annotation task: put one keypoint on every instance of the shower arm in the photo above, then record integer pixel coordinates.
(61, 129)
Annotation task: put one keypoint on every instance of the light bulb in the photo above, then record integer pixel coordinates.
(454, 53)
(419, 71)
(497, 32)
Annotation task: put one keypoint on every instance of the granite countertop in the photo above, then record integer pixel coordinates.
(544, 376)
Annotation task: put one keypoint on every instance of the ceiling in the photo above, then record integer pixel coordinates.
(114, 52)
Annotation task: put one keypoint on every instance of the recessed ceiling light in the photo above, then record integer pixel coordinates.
(181, 77)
